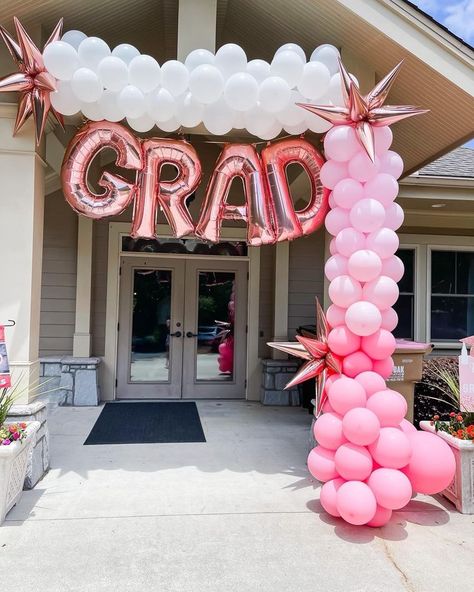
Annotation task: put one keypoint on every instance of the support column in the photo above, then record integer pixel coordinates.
(196, 26)
(82, 331)
(280, 319)
(21, 235)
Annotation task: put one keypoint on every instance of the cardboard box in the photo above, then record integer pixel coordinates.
(408, 362)
(407, 389)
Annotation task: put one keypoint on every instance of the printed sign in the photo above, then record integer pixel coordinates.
(5, 379)
(466, 380)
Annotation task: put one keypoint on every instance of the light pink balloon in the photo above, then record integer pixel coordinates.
(331, 201)
(363, 318)
(332, 246)
(389, 319)
(361, 426)
(344, 291)
(349, 240)
(432, 465)
(383, 292)
(328, 496)
(332, 172)
(355, 363)
(335, 265)
(347, 193)
(364, 265)
(383, 241)
(391, 488)
(391, 163)
(327, 407)
(356, 502)
(367, 215)
(371, 382)
(393, 268)
(336, 220)
(335, 315)
(384, 367)
(328, 431)
(379, 345)
(353, 462)
(321, 464)
(362, 168)
(407, 427)
(345, 393)
(394, 216)
(383, 138)
(340, 143)
(342, 341)
(381, 518)
(383, 187)
(392, 449)
(389, 406)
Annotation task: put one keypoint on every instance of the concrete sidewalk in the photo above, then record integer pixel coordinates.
(237, 513)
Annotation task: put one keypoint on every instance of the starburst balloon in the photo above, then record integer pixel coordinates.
(365, 112)
(319, 360)
(32, 81)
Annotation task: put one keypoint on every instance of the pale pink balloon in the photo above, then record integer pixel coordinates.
(332, 246)
(407, 427)
(321, 464)
(383, 138)
(344, 291)
(328, 496)
(371, 382)
(390, 163)
(329, 381)
(367, 215)
(327, 407)
(335, 265)
(328, 431)
(331, 201)
(345, 393)
(364, 265)
(389, 319)
(383, 292)
(393, 268)
(349, 240)
(384, 367)
(381, 518)
(389, 406)
(383, 187)
(361, 426)
(432, 465)
(342, 341)
(383, 241)
(335, 315)
(394, 216)
(379, 345)
(332, 172)
(340, 143)
(391, 488)
(336, 220)
(362, 168)
(353, 462)
(355, 363)
(392, 449)
(356, 503)
(363, 318)
(348, 192)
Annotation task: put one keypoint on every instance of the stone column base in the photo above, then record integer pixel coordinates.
(75, 380)
(275, 376)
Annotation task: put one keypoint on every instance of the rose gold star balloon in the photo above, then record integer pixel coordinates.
(365, 112)
(32, 81)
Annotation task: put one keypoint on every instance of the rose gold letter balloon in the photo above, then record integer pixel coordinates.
(87, 143)
(169, 195)
(237, 160)
(276, 157)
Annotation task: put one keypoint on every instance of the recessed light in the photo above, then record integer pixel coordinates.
(440, 205)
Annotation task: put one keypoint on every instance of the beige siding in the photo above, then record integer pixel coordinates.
(267, 290)
(99, 285)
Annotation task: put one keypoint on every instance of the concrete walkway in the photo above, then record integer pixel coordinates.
(237, 513)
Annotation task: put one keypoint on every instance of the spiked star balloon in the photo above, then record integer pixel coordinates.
(32, 81)
(364, 112)
(319, 360)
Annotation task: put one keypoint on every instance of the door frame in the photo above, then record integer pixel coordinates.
(109, 367)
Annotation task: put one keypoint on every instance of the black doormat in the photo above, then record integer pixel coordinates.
(147, 423)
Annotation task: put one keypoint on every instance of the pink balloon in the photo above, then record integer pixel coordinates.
(367, 215)
(389, 319)
(355, 363)
(340, 143)
(364, 265)
(336, 220)
(335, 265)
(362, 168)
(332, 172)
(381, 518)
(332, 247)
(327, 407)
(383, 292)
(382, 187)
(328, 496)
(379, 345)
(383, 241)
(391, 488)
(345, 393)
(331, 202)
(371, 382)
(321, 464)
(361, 426)
(389, 406)
(353, 462)
(393, 268)
(407, 427)
(384, 367)
(392, 449)
(383, 138)
(328, 431)
(335, 315)
(355, 502)
(347, 193)
(391, 163)
(432, 465)
(342, 341)
(349, 240)
(344, 291)
(363, 318)
(394, 216)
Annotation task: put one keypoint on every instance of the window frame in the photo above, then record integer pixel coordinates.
(415, 249)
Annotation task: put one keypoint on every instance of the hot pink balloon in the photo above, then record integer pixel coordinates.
(342, 341)
(383, 187)
(389, 319)
(364, 265)
(362, 168)
(353, 462)
(336, 220)
(383, 241)
(384, 367)
(335, 315)
(328, 496)
(356, 503)
(346, 393)
(347, 193)
(321, 464)
(332, 172)
(367, 215)
(363, 318)
(383, 292)
(344, 291)
(328, 431)
(335, 265)
(383, 138)
(340, 143)
(381, 518)
(389, 406)
(407, 427)
(327, 407)
(371, 382)
(379, 345)
(394, 216)
(355, 363)
(391, 488)
(392, 449)
(393, 268)
(361, 426)
(350, 240)
(391, 163)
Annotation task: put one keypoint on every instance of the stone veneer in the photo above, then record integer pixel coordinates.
(275, 375)
(74, 381)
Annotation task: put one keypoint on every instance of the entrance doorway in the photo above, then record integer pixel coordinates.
(182, 328)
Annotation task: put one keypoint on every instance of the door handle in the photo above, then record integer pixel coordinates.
(191, 334)
(176, 334)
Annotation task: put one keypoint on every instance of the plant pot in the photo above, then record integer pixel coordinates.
(461, 490)
(13, 462)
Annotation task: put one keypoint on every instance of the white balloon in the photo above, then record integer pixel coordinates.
(86, 85)
(113, 73)
(74, 38)
(161, 105)
(292, 114)
(231, 58)
(259, 69)
(292, 47)
(92, 111)
(125, 52)
(258, 121)
(144, 73)
(174, 77)
(289, 66)
(335, 90)
(274, 94)
(109, 106)
(61, 60)
(144, 123)
(314, 82)
(327, 55)
(241, 91)
(316, 124)
(206, 83)
(64, 100)
(218, 117)
(170, 125)
(131, 101)
(239, 120)
(296, 129)
(198, 57)
(272, 132)
(189, 110)
(91, 51)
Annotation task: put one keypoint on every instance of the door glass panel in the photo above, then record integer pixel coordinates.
(150, 347)
(215, 335)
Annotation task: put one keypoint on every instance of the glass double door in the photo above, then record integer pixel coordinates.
(182, 328)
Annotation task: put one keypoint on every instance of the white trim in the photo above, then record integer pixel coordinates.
(82, 330)
(280, 313)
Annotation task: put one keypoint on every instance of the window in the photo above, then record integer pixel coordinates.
(405, 305)
(185, 246)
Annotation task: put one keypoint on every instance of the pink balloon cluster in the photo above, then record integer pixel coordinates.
(369, 457)
(225, 359)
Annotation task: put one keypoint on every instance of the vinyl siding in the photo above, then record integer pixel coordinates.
(99, 285)
(267, 300)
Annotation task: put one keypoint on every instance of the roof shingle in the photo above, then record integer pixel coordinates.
(458, 163)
